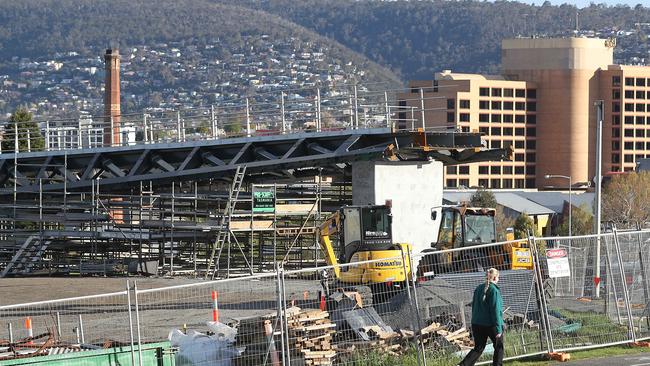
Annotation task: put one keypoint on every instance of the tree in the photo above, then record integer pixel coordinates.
(483, 198)
(626, 199)
(524, 225)
(581, 220)
(29, 134)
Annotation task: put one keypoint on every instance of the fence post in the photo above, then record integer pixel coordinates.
(11, 332)
(285, 324)
(279, 316)
(541, 296)
(284, 122)
(612, 282)
(128, 300)
(248, 118)
(137, 322)
(413, 302)
(318, 114)
(644, 278)
(626, 295)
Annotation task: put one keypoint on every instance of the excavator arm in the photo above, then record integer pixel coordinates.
(328, 229)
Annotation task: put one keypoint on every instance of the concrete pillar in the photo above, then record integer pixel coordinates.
(414, 189)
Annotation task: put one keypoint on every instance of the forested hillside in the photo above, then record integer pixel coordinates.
(416, 38)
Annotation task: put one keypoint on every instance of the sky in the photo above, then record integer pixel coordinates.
(583, 3)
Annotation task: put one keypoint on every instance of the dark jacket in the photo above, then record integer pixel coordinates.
(490, 311)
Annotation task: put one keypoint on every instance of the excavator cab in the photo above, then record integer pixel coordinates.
(365, 228)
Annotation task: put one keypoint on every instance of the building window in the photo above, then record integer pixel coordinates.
(629, 94)
(507, 131)
(647, 145)
(496, 183)
(451, 103)
(519, 157)
(640, 133)
(629, 81)
(519, 144)
(495, 170)
(484, 130)
(450, 117)
(520, 118)
(483, 169)
(639, 146)
(463, 104)
(483, 183)
(507, 183)
(463, 183)
(531, 144)
(616, 132)
(496, 92)
(616, 158)
(496, 118)
(616, 145)
(616, 80)
(483, 104)
(507, 118)
(640, 94)
(495, 144)
(452, 169)
(532, 119)
(629, 132)
(640, 107)
(463, 169)
(520, 93)
(629, 120)
(507, 169)
(495, 131)
(496, 105)
(640, 120)
(616, 94)
(451, 183)
(530, 183)
(530, 169)
(530, 131)
(507, 92)
(616, 120)
(628, 158)
(616, 107)
(520, 106)
(519, 131)
(629, 107)
(629, 145)
(484, 92)
(531, 157)
(519, 183)
(435, 86)
(484, 117)
(464, 129)
(519, 170)
(508, 106)
(464, 117)
(531, 106)
(640, 81)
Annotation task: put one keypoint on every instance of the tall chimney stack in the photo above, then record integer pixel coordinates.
(112, 97)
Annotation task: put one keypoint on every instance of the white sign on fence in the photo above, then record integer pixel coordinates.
(558, 263)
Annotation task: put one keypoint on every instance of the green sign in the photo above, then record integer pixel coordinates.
(263, 200)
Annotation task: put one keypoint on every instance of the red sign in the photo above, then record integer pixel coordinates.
(596, 280)
(555, 253)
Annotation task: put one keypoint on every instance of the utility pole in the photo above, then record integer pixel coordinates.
(598, 180)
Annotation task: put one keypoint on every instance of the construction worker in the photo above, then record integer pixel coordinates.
(487, 320)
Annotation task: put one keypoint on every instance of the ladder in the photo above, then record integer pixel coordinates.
(224, 223)
(27, 256)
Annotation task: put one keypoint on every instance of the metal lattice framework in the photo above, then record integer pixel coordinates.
(279, 156)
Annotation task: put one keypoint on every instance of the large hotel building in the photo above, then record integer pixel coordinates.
(543, 105)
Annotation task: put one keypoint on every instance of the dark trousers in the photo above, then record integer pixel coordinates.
(481, 334)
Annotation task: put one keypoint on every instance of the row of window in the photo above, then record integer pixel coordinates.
(630, 120)
(493, 183)
(628, 158)
(631, 94)
(508, 118)
(616, 81)
(508, 131)
(630, 107)
(631, 145)
(629, 132)
(507, 106)
(518, 144)
(484, 170)
(507, 92)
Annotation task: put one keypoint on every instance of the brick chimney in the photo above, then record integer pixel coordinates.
(112, 96)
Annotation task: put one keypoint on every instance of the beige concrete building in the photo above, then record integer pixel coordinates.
(543, 106)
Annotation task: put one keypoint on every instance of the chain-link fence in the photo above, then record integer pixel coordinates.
(558, 294)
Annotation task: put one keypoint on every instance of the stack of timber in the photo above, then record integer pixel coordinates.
(310, 336)
(437, 335)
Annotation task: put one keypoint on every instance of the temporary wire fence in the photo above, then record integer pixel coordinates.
(335, 315)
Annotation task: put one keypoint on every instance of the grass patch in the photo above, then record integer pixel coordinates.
(596, 328)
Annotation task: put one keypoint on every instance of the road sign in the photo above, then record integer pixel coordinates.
(558, 263)
(263, 200)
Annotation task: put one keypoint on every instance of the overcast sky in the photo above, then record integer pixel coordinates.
(583, 3)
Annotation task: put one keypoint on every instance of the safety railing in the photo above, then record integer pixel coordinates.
(366, 313)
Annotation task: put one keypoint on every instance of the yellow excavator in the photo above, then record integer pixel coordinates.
(356, 234)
